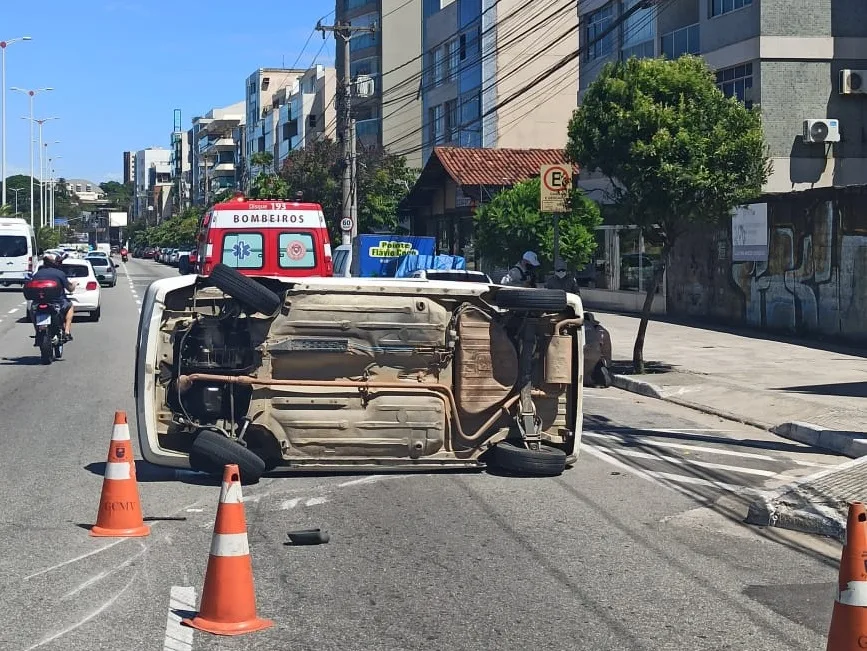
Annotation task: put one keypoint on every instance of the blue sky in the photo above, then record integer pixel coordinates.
(120, 67)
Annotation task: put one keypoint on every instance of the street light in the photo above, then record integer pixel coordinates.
(3, 46)
(51, 188)
(43, 194)
(31, 94)
(16, 191)
(41, 180)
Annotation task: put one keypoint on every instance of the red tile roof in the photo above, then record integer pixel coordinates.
(486, 166)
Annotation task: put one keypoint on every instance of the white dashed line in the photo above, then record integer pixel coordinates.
(179, 637)
(14, 310)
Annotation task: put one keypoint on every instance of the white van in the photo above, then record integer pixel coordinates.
(17, 251)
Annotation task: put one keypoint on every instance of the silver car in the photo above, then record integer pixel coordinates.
(104, 268)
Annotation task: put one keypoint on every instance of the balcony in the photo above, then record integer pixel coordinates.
(221, 169)
(217, 145)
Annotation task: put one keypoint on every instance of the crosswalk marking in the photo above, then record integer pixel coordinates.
(695, 462)
(703, 448)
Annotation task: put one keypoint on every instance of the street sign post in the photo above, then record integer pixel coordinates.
(554, 186)
(346, 224)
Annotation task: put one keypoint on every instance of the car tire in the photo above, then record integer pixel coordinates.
(94, 316)
(529, 299)
(544, 462)
(210, 452)
(245, 290)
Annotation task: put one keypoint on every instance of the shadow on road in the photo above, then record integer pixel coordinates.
(24, 360)
(845, 389)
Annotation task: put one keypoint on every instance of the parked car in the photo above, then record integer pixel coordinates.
(597, 352)
(86, 298)
(356, 373)
(105, 270)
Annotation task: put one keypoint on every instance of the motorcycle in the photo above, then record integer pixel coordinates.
(124, 256)
(46, 317)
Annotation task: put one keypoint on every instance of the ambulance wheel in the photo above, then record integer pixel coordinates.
(245, 290)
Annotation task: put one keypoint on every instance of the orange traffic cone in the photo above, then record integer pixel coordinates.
(119, 506)
(228, 599)
(849, 621)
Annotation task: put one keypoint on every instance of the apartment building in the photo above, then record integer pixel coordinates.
(215, 163)
(84, 190)
(152, 171)
(803, 62)
(264, 88)
(306, 112)
(128, 167)
(385, 69)
(479, 53)
(181, 162)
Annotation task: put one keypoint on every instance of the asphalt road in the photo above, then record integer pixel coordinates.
(618, 553)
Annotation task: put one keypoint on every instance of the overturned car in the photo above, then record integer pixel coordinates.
(349, 373)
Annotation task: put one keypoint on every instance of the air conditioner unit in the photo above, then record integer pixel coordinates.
(853, 82)
(823, 130)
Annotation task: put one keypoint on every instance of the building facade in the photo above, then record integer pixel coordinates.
(84, 190)
(181, 162)
(792, 59)
(480, 53)
(385, 70)
(128, 167)
(265, 89)
(152, 170)
(214, 159)
(306, 112)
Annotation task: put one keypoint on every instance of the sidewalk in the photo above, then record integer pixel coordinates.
(800, 391)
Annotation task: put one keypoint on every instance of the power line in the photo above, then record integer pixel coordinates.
(564, 61)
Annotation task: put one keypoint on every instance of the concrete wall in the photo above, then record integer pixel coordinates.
(813, 283)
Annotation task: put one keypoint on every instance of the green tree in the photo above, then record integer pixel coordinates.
(383, 181)
(65, 205)
(677, 151)
(512, 223)
(47, 237)
(119, 194)
(267, 184)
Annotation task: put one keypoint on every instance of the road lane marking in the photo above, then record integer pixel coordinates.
(106, 573)
(313, 501)
(703, 448)
(363, 480)
(13, 310)
(290, 504)
(179, 637)
(638, 454)
(108, 604)
(668, 479)
(76, 559)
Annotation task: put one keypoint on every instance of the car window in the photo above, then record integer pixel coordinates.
(98, 262)
(297, 251)
(75, 270)
(12, 246)
(242, 250)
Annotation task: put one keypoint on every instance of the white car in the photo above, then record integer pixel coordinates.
(86, 297)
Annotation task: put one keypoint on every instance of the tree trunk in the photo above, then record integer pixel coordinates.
(638, 349)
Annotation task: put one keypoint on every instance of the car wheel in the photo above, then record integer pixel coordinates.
(211, 452)
(94, 316)
(544, 462)
(525, 298)
(245, 290)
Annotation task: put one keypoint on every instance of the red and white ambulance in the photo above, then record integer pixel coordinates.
(265, 238)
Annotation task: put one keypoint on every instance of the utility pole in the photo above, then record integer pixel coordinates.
(346, 32)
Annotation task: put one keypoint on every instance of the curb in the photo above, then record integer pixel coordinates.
(771, 510)
(850, 444)
(652, 391)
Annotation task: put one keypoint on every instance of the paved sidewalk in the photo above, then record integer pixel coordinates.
(758, 381)
(800, 391)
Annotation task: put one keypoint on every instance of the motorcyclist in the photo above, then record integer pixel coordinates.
(50, 270)
(523, 273)
(562, 279)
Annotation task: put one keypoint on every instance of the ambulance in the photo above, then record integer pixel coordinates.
(265, 238)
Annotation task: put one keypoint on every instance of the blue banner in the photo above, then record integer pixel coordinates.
(378, 254)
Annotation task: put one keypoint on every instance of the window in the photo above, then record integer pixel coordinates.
(720, 7)
(637, 31)
(598, 22)
(439, 65)
(366, 66)
(89, 188)
(242, 250)
(75, 270)
(453, 59)
(297, 251)
(737, 81)
(13, 246)
(452, 123)
(435, 122)
(680, 42)
(470, 108)
(364, 39)
(311, 120)
(78, 187)
(462, 47)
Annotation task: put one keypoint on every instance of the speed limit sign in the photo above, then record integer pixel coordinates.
(346, 224)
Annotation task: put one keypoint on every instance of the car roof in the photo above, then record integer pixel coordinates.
(76, 261)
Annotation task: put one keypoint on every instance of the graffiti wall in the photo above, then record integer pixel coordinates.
(813, 283)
